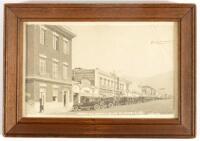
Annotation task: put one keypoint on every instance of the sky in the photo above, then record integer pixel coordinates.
(136, 49)
(131, 49)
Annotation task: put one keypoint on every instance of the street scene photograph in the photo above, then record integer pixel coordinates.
(100, 69)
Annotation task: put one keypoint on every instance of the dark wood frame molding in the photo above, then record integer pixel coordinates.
(16, 125)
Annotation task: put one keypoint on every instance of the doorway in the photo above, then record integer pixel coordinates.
(76, 98)
(42, 99)
(65, 97)
(55, 95)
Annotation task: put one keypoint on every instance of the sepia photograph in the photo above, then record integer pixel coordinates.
(100, 69)
(89, 70)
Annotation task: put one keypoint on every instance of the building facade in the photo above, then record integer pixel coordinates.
(104, 84)
(148, 91)
(48, 64)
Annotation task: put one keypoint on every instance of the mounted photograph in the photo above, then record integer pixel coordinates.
(100, 69)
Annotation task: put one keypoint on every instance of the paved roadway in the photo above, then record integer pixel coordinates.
(160, 106)
(157, 106)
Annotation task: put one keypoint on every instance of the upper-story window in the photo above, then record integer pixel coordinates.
(65, 71)
(42, 65)
(65, 46)
(102, 83)
(55, 69)
(112, 83)
(115, 85)
(121, 86)
(42, 35)
(55, 41)
(108, 83)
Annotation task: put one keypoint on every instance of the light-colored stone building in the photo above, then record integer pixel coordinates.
(148, 91)
(48, 65)
(103, 84)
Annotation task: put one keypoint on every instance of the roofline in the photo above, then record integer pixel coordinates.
(61, 30)
(107, 74)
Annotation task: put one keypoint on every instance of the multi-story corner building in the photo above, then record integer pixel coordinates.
(105, 84)
(48, 65)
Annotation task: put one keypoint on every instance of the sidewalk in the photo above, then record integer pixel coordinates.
(49, 108)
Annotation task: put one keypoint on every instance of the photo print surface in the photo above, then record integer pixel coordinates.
(100, 69)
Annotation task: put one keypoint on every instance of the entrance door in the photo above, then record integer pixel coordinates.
(42, 99)
(65, 97)
(55, 95)
(76, 98)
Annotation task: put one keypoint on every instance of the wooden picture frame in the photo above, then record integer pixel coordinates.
(16, 125)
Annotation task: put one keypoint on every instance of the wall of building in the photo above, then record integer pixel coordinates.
(30, 50)
(34, 45)
(107, 84)
(80, 74)
(35, 80)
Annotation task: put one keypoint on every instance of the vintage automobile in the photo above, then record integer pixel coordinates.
(93, 103)
(96, 103)
(127, 100)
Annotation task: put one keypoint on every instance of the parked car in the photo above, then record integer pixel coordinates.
(94, 103)
(88, 103)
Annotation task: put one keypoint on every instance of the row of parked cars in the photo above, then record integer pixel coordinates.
(96, 103)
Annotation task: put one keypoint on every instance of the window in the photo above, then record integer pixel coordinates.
(122, 86)
(42, 66)
(112, 84)
(42, 36)
(55, 41)
(66, 46)
(115, 85)
(55, 69)
(104, 82)
(108, 83)
(65, 71)
(101, 81)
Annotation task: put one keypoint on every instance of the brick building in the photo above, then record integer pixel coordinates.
(48, 65)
